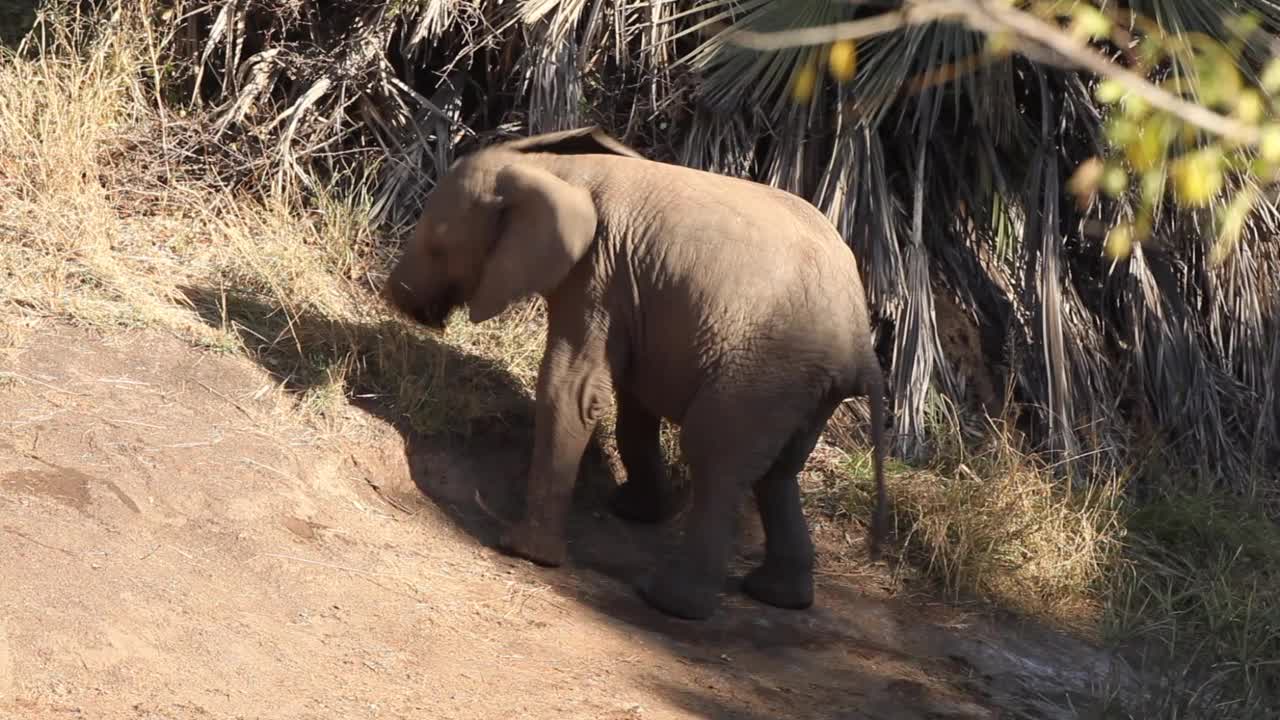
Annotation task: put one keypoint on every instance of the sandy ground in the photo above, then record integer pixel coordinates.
(177, 542)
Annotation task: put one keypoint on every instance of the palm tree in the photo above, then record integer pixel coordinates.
(946, 171)
(956, 193)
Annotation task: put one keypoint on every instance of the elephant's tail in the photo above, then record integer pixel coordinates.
(879, 518)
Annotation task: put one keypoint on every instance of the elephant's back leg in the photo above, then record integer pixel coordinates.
(641, 498)
(730, 438)
(785, 579)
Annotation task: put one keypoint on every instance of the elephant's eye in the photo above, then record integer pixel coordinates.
(435, 254)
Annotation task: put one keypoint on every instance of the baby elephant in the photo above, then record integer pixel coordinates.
(728, 307)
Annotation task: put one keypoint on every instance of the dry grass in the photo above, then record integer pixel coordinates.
(104, 222)
(107, 219)
(1186, 585)
(992, 522)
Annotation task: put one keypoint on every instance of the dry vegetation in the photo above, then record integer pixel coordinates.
(104, 225)
(109, 216)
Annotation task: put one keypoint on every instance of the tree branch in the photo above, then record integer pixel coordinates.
(996, 16)
(1025, 25)
(913, 12)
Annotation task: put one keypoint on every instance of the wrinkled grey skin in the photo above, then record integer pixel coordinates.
(731, 308)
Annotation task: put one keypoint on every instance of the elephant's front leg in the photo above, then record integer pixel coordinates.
(568, 407)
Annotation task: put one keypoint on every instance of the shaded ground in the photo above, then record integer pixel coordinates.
(16, 18)
(177, 541)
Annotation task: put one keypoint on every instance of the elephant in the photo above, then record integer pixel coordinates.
(730, 308)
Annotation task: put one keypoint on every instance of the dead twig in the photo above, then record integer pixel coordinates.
(34, 541)
(233, 403)
(25, 378)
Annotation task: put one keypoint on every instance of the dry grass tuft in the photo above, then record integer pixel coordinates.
(1186, 584)
(998, 521)
(993, 522)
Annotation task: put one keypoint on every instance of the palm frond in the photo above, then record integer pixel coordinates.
(942, 167)
(786, 163)
(734, 77)
(723, 145)
(855, 194)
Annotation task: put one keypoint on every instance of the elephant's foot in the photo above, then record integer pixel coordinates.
(780, 585)
(534, 544)
(682, 594)
(637, 501)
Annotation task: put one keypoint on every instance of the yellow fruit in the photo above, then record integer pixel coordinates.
(1119, 243)
(1000, 43)
(1134, 107)
(1146, 150)
(1108, 92)
(1197, 177)
(1115, 180)
(1084, 181)
(1089, 23)
(1269, 145)
(803, 82)
(1250, 107)
(842, 60)
(1271, 76)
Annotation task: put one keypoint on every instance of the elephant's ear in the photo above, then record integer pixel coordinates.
(546, 226)
(579, 141)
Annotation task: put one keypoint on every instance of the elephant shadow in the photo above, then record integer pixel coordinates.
(474, 476)
(473, 471)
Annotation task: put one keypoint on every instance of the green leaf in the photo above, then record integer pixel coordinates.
(1217, 80)
(1152, 188)
(1135, 107)
(1151, 146)
(1231, 223)
(1120, 131)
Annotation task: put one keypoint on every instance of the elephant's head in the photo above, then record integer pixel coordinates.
(498, 226)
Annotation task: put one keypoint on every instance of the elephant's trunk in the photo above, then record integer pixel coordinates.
(402, 295)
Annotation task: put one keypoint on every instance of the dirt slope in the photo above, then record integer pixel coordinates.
(176, 542)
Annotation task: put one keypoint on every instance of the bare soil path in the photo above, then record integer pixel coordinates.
(177, 541)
